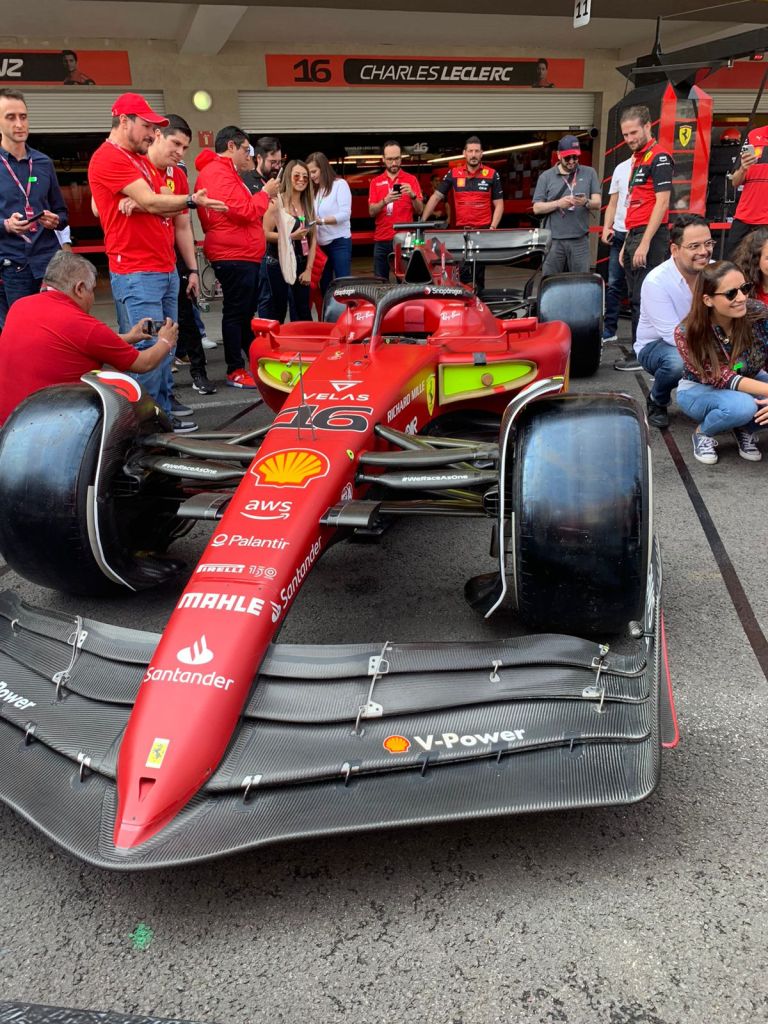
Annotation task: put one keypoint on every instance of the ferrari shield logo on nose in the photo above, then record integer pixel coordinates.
(685, 134)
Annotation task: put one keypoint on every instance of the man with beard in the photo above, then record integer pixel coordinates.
(565, 194)
(394, 197)
(665, 302)
(650, 189)
(268, 157)
(478, 199)
(142, 260)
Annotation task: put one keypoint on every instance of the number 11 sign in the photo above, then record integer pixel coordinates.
(581, 13)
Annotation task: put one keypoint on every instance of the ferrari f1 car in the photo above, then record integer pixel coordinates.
(134, 750)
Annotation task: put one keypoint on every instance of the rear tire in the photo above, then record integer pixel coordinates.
(577, 300)
(49, 451)
(580, 494)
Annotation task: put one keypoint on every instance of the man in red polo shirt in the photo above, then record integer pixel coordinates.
(650, 189)
(142, 259)
(751, 177)
(394, 197)
(234, 242)
(51, 338)
(478, 198)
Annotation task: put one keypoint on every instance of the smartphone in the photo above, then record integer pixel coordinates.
(579, 195)
(748, 149)
(153, 326)
(35, 216)
(280, 174)
(397, 187)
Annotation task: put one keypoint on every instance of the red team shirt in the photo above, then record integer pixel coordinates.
(48, 339)
(398, 212)
(651, 172)
(753, 203)
(473, 194)
(139, 243)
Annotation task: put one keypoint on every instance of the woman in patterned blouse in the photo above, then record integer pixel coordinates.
(724, 345)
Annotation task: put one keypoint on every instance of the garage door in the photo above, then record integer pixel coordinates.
(64, 110)
(737, 101)
(402, 110)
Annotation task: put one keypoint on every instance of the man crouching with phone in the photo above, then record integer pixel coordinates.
(51, 338)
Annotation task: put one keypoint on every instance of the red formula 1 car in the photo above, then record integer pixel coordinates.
(136, 751)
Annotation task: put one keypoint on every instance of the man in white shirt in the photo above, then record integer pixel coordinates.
(614, 233)
(665, 301)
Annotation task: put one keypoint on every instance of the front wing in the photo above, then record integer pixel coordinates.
(336, 738)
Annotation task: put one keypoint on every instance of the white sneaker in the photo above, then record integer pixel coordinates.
(207, 343)
(704, 448)
(747, 442)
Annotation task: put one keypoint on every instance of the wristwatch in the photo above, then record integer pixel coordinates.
(191, 203)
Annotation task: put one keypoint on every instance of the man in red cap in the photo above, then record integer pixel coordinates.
(140, 247)
(751, 176)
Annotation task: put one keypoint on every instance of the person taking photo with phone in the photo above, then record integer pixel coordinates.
(751, 176)
(51, 337)
(290, 271)
(394, 197)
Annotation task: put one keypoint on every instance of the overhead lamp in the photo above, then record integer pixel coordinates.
(202, 100)
(488, 152)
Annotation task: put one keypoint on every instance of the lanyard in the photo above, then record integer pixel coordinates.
(24, 192)
(143, 168)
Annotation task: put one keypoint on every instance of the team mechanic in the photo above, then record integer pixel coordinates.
(650, 190)
(478, 198)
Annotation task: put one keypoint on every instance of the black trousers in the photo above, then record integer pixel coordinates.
(190, 340)
(657, 253)
(239, 280)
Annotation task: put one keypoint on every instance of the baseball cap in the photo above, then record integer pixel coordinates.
(569, 146)
(133, 103)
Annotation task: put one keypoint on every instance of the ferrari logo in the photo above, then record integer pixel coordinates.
(430, 393)
(685, 134)
(461, 182)
(486, 172)
(157, 753)
(170, 184)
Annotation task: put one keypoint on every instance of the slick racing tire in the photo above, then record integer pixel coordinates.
(577, 300)
(49, 450)
(580, 494)
(332, 308)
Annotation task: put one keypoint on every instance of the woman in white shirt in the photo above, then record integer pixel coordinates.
(333, 208)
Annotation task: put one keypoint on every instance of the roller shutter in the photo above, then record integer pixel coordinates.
(78, 109)
(737, 101)
(416, 110)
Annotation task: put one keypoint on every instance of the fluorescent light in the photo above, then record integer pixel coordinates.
(488, 152)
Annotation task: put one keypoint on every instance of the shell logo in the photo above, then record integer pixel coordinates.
(293, 467)
(397, 744)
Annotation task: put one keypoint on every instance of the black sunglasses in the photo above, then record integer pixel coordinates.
(730, 295)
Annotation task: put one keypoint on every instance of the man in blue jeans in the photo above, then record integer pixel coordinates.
(665, 301)
(614, 233)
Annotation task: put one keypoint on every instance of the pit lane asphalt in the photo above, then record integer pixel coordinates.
(654, 913)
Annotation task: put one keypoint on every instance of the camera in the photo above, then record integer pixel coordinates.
(153, 326)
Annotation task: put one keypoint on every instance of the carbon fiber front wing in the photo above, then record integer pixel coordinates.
(334, 739)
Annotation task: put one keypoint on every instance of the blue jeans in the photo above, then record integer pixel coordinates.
(719, 409)
(152, 296)
(16, 282)
(339, 253)
(381, 251)
(616, 288)
(666, 365)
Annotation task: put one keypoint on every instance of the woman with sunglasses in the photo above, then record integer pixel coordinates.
(752, 258)
(724, 346)
(295, 200)
(333, 206)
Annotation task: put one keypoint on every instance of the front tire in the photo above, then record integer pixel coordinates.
(580, 493)
(49, 451)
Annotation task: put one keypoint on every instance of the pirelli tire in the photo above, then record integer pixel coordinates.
(49, 450)
(582, 518)
(577, 300)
